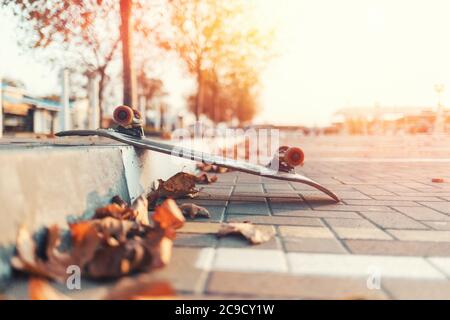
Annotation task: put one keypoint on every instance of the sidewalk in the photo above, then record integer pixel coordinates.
(392, 228)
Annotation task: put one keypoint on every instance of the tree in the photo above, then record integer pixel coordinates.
(129, 79)
(81, 34)
(217, 42)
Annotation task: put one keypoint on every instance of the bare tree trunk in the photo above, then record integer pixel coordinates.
(129, 87)
(101, 89)
(215, 91)
(199, 96)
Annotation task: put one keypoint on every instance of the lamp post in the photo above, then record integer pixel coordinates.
(1, 106)
(439, 121)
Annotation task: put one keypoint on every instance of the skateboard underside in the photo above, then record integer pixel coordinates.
(201, 157)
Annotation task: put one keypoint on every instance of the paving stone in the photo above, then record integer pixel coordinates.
(423, 213)
(407, 289)
(361, 266)
(442, 263)
(248, 178)
(398, 248)
(187, 270)
(355, 195)
(195, 240)
(200, 227)
(406, 198)
(349, 223)
(361, 233)
(393, 220)
(248, 188)
(374, 191)
(372, 202)
(443, 207)
(318, 214)
(342, 207)
(289, 286)
(305, 232)
(204, 200)
(243, 259)
(277, 220)
(277, 186)
(279, 204)
(256, 208)
(216, 191)
(438, 225)
(317, 245)
(421, 235)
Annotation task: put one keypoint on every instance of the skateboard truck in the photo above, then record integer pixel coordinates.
(287, 158)
(130, 131)
(129, 121)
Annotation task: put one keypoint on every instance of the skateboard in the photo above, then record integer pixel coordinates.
(130, 131)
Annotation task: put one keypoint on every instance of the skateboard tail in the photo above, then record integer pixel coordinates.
(196, 155)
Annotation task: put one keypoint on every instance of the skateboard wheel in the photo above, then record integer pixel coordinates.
(294, 156)
(123, 115)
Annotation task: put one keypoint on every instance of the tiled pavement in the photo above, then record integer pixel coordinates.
(392, 228)
(389, 238)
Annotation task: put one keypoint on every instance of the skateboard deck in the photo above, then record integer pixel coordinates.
(196, 155)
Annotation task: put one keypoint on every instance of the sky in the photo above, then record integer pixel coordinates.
(330, 54)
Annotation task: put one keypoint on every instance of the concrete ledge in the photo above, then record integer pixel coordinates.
(45, 183)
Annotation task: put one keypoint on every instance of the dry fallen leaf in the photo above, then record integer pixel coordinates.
(168, 215)
(26, 259)
(119, 209)
(180, 185)
(205, 179)
(104, 248)
(193, 211)
(211, 168)
(40, 289)
(152, 198)
(253, 234)
(118, 200)
(140, 207)
(115, 210)
(140, 288)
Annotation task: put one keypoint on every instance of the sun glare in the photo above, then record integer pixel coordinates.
(333, 54)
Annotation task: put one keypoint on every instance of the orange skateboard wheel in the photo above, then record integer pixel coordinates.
(123, 115)
(294, 156)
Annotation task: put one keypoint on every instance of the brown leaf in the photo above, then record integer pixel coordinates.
(253, 234)
(39, 289)
(211, 168)
(140, 207)
(168, 215)
(152, 198)
(140, 288)
(85, 241)
(54, 267)
(205, 179)
(112, 262)
(115, 210)
(180, 185)
(193, 211)
(119, 209)
(118, 200)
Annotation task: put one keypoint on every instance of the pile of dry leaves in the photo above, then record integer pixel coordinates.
(120, 239)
